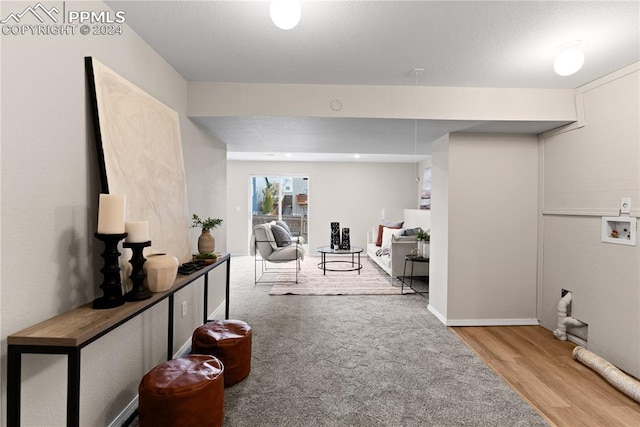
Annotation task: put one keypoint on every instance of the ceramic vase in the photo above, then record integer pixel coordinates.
(161, 270)
(206, 242)
(425, 250)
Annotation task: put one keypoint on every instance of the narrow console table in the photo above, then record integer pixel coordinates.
(69, 332)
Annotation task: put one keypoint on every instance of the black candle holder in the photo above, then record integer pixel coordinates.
(139, 291)
(335, 235)
(112, 285)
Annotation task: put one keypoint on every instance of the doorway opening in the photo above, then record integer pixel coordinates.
(281, 198)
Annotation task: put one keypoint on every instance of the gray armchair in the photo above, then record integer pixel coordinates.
(274, 248)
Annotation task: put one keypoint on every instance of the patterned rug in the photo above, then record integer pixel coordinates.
(372, 280)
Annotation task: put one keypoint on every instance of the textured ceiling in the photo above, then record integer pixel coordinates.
(457, 43)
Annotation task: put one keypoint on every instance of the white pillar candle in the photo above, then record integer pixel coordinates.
(137, 231)
(111, 213)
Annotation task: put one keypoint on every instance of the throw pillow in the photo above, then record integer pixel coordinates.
(392, 224)
(387, 234)
(380, 230)
(284, 225)
(411, 231)
(280, 234)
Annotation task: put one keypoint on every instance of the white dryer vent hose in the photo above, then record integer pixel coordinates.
(568, 323)
(623, 382)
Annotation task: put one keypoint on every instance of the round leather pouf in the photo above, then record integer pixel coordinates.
(187, 391)
(229, 341)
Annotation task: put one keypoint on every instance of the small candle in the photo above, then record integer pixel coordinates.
(137, 231)
(111, 213)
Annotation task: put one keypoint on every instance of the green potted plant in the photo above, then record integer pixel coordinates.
(270, 198)
(423, 237)
(206, 241)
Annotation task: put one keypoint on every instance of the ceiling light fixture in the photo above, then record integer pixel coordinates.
(417, 72)
(285, 14)
(570, 59)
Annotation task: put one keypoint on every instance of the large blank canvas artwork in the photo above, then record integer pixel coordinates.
(140, 156)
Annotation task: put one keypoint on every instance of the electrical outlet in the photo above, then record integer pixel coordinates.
(184, 308)
(625, 205)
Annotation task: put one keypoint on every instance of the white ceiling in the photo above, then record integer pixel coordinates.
(457, 43)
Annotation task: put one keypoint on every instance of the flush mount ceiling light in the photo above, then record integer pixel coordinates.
(570, 59)
(285, 14)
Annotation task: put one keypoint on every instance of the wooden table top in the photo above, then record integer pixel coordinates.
(81, 325)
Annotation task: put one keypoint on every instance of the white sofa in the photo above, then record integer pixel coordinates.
(393, 260)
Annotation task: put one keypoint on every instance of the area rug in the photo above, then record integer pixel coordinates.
(311, 281)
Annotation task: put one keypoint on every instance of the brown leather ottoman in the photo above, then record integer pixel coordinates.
(187, 391)
(229, 341)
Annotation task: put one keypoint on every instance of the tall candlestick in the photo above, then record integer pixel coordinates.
(111, 213)
(137, 231)
(112, 285)
(139, 291)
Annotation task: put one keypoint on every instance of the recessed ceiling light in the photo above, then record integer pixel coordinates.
(285, 14)
(570, 59)
(356, 156)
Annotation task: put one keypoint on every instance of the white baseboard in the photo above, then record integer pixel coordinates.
(126, 413)
(577, 340)
(219, 312)
(482, 322)
(437, 314)
(492, 322)
(184, 350)
(132, 407)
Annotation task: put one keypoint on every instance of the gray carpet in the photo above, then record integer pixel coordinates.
(380, 360)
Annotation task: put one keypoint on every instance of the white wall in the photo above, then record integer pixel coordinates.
(438, 262)
(491, 235)
(352, 194)
(210, 99)
(586, 172)
(50, 258)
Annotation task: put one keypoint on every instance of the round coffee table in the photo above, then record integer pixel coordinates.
(352, 265)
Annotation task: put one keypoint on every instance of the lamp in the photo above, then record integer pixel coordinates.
(285, 14)
(570, 59)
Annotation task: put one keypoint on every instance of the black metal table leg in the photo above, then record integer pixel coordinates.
(411, 277)
(170, 329)
(323, 257)
(73, 387)
(205, 315)
(404, 276)
(14, 374)
(227, 290)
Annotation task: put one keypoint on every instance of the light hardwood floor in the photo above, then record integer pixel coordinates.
(542, 370)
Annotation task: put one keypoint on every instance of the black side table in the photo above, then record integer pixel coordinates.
(411, 259)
